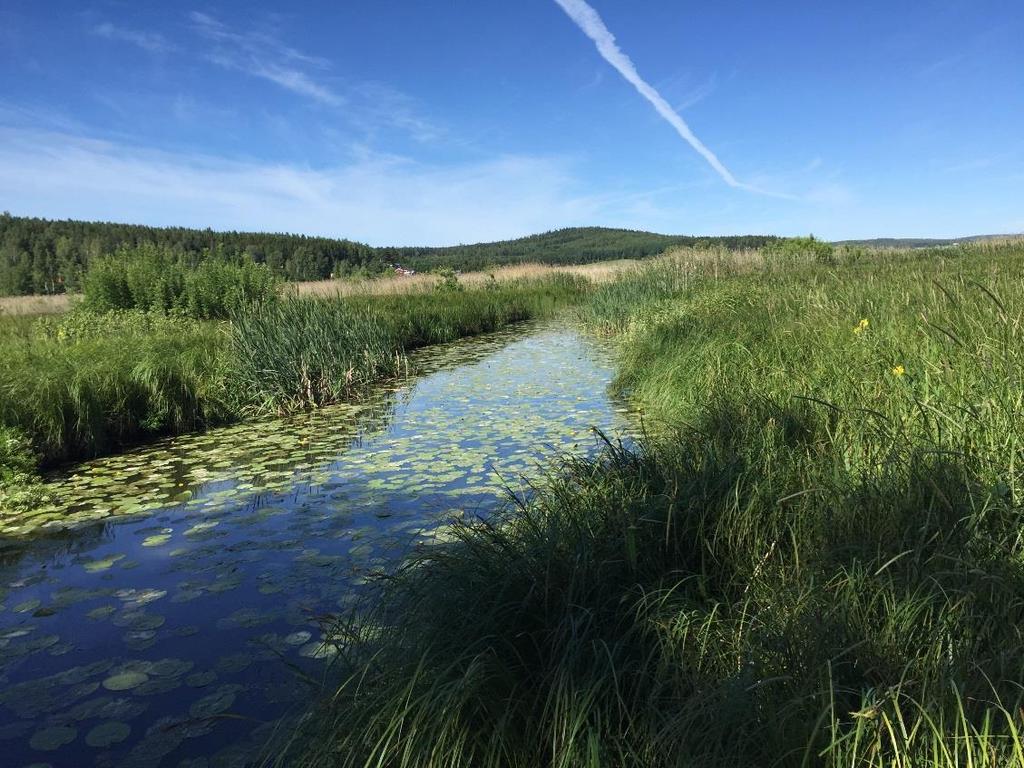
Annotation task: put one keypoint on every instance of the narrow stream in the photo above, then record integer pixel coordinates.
(167, 609)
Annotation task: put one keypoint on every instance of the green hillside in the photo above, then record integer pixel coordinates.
(917, 242)
(44, 256)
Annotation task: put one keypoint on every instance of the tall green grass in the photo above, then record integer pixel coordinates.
(88, 384)
(815, 558)
(307, 352)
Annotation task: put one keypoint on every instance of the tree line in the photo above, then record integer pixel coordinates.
(41, 256)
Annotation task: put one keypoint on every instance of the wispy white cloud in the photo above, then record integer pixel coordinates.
(148, 41)
(262, 55)
(374, 198)
(369, 106)
(588, 20)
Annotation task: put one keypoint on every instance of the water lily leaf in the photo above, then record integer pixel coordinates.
(157, 685)
(51, 739)
(217, 702)
(106, 734)
(103, 564)
(201, 679)
(103, 612)
(125, 681)
(318, 650)
(171, 667)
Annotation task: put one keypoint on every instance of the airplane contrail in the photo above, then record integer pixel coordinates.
(588, 20)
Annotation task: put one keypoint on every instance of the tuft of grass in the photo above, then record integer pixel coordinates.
(89, 384)
(814, 558)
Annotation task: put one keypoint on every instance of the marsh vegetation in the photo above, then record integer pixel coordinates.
(807, 550)
(812, 558)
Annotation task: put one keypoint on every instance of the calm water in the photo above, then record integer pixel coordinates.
(177, 621)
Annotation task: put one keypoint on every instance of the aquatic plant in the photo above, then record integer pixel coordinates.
(87, 385)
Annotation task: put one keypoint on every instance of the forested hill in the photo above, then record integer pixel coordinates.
(576, 245)
(43, 256)
(918, 242)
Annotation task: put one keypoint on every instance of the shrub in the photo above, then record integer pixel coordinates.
(19, 489)
(154, 280)
(449, 281)
(799, 250)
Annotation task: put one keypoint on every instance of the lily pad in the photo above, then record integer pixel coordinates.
(106, 734)
(201, 679)
(103, 564)
(125, 681)
(52, 739)
(171, 667)
(217, 702)
(318, 649)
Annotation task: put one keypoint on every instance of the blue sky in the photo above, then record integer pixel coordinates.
(465, 120)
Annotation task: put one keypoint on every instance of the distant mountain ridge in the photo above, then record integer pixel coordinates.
(919, 242)
(43, 256)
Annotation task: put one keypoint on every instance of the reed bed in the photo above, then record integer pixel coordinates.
(302, 352)
(815, 557)
(92, 383)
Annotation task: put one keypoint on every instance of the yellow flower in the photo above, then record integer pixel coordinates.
(861, 326)
(899, 370)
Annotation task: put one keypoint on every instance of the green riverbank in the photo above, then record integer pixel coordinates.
(815, 559)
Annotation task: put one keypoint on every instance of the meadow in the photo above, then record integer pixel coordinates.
(813, 558)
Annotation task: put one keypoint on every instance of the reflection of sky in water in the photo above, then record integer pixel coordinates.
(196, 565)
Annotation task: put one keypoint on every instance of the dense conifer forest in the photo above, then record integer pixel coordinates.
(42, 256)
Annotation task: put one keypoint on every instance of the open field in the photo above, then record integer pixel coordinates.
(421, 282)
(23, 306)
(813, 560)
(27, 306)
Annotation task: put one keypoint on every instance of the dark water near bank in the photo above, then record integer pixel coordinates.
(177, 622)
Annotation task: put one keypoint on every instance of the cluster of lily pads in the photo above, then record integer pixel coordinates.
(242, 539)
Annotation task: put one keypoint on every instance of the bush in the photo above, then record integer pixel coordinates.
(799, 250)
(154, 280)
(20, 489)
(449, 281)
